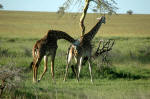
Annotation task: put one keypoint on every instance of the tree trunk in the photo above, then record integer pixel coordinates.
(83, 16)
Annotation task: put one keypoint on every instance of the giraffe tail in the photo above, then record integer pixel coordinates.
(29, 68)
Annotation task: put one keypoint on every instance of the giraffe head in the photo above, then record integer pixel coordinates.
(102, 19)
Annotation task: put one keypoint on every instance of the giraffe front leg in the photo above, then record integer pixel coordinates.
(90, 70)
(52, 69)
(66, 72)
(79, 65)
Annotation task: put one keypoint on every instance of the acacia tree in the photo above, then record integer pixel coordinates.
(100, 5)
(61, 10)
(129, 12)
(1, 6)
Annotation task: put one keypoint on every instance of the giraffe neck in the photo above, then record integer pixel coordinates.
(90, 35)
(61, 35)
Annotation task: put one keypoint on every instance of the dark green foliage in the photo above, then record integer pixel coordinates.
(144, 55)
(113, 73)
(11, 40)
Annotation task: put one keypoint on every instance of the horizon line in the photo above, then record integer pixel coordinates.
(70, 12)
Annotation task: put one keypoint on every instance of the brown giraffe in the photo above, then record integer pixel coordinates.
(83, 50)
(45, 47)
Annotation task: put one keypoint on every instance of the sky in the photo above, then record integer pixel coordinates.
(137, 6)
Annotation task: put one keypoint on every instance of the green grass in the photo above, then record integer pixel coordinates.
(127, 77)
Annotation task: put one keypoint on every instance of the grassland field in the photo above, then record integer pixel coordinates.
(128, 77)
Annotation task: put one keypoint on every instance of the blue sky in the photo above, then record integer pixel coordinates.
(137, 6)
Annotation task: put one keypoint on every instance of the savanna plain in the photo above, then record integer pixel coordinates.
(126, 77)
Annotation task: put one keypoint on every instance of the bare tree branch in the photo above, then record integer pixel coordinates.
(101, 5)
(83, 17)
(106, 47)
(102, 50)
(10, 77)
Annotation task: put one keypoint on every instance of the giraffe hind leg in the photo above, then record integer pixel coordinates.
(52, 64)
(45, 67)
(74, 69)
(35, 69)
(69, 58)
(90, 70)
(79, 64)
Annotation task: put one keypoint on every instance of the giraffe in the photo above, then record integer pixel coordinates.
(45, 47)
(84, 49)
